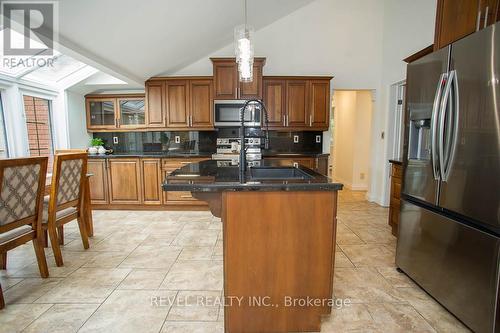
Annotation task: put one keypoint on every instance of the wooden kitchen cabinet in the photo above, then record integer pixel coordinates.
(155, 104)
(274, 99)
(151, 181)
(226, 80)
(319, 103)
(178, 198)
(201, 103)
(180, 103)
(456, 19)
(115, 112)
(176, 97)
(297, 103)
(124, 177)
(99, 181)
(395, 198)
(308, 162)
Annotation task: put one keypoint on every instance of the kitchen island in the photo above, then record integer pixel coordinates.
(279, 226)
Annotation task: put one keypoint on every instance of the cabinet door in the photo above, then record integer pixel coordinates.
(98, 183)
(296, 103)
(225, 79)
(274, 99)
(151, 181)
(177, 103)
(101, 113)
(131, 112)
(456, 19)
(201, 104)
(124, 181)
(319, 104)
(250, 90)
(155, 104)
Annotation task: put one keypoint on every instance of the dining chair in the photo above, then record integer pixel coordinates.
(86, 209)
(64, 203)
(22, 184)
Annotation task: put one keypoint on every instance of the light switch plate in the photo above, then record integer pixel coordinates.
(295, 139)
(318, 138)
(177, 139)
(115, 140)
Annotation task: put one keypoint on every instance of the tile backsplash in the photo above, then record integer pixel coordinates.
(205, 141)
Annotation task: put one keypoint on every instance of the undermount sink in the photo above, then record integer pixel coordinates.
(277, 173)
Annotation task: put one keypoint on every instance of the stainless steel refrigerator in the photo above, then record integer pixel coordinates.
(449, 233)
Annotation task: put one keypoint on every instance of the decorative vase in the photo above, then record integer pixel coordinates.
(101, 150)
(93, 150)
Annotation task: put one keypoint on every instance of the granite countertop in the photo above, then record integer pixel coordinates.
(206, 176)
(159, 154)
(165, 154)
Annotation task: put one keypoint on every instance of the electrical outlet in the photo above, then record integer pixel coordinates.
(361, 175)
(318, 138)
(115, 140)
(177, 139)
(295, 139)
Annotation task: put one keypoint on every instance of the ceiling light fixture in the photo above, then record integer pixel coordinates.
(243, 48)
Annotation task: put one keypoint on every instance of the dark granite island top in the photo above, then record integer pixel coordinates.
(278, 242)
(207, 176)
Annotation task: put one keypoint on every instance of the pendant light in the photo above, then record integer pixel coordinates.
(243, 47)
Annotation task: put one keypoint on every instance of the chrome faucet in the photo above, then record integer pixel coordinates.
(243, 157)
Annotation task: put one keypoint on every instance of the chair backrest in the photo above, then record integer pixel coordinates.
(22, 185)
(67, 180)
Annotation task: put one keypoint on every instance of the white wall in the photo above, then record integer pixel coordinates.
(75, 106)
(360, 42)
(408, 27)
(352, 138)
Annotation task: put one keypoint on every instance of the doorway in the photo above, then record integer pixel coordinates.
(351, 138)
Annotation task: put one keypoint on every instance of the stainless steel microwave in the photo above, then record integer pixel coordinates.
(227, 113)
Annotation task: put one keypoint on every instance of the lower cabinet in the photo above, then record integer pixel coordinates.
(136, 182)
(151, 181)
(124, 181)
(177, 198)
(98, 183)
(318, 164)
(395, 201)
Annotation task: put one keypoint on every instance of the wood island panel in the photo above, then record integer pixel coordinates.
(277, 244)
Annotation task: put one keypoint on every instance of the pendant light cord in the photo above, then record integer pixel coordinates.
(245, 14)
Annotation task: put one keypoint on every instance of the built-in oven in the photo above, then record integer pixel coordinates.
(227, 113)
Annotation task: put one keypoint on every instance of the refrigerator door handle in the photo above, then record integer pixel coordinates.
(442, 120)
(434, 124)
(455, 110)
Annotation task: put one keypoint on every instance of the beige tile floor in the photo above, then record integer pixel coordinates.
(138, 257)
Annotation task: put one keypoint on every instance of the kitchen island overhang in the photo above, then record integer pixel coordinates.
(278, 244)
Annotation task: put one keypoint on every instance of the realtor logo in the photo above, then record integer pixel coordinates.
(35, 20)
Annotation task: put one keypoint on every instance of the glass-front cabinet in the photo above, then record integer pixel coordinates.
(131, 112)
(114, 112)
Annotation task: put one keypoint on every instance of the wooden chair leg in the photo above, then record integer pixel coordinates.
(87, 209)
(83, 232)
(56, 249)
(60, 234)
(2, 302)
(40, 257)
(3, 260)
(45, 239)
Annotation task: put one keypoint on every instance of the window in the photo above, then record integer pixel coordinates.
(39, 127)
(3, 137)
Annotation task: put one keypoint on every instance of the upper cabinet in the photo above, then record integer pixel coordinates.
(115, 112)
(458, 18)
(180, 103)
(297, 103)
(226, 82)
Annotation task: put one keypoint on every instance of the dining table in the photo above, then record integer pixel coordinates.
(86, 208)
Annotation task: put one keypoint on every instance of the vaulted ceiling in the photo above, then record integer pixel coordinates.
(140, 39)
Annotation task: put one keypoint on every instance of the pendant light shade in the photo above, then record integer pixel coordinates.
(243, 49)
